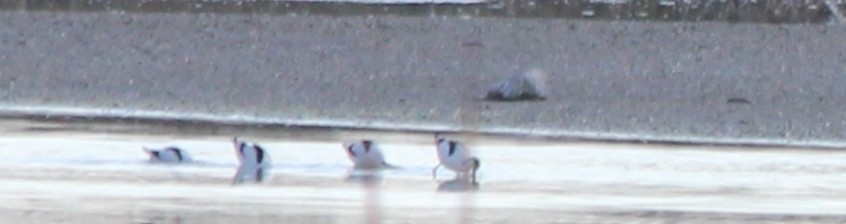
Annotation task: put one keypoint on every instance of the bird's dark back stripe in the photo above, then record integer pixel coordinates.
(367, 144)
(451, 148)
(177, 152)
(349, 149)
(259, 154)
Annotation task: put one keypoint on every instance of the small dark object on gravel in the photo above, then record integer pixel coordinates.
(738, 100)
(528, 85)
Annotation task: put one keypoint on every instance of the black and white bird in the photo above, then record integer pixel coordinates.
(253, 159)
(366, 155)
(170, 154)
(456, 157)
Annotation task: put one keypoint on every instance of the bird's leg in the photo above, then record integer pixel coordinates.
(259, 174)
(238, 175)
(475, 163)
(473, 176)
(435, 171)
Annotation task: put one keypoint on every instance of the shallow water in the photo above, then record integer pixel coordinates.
(96, 176)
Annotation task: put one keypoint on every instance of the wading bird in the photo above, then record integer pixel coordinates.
(366, 155)
(456, 157)
(253, 159)
(170, 154)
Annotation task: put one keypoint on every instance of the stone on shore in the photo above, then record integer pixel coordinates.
(527, 85)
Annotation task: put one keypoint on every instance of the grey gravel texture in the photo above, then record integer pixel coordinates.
(638, 78)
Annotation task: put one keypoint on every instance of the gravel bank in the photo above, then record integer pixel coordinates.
(679, 82)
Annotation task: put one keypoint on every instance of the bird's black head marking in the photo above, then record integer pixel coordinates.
(367, 144)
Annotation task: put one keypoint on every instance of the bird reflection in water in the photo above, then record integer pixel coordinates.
(459, 184)
(371, 182)
(465, 186)
(366, 178)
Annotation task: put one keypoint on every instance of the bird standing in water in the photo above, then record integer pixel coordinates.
(366, 155)
(170, 154)
(456, 157)
(253, 159)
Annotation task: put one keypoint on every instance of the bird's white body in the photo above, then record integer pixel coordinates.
(170, 154)
(365, 155)
(455, 156)
(254, 161)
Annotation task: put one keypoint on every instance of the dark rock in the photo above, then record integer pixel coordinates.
(738, 100)
(528, 85)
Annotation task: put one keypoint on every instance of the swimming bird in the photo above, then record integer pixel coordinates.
(366, 155)
(456, 157)
(170, 154)
(253, 159)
